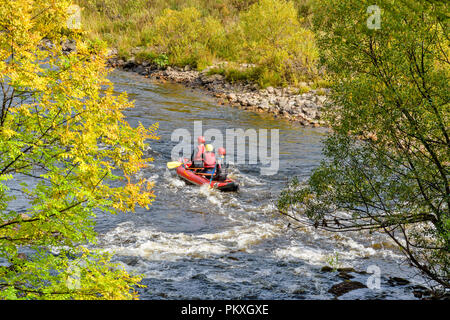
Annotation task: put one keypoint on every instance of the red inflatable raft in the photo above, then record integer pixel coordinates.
(193, 177)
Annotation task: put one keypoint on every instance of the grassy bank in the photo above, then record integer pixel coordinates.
(272, 36)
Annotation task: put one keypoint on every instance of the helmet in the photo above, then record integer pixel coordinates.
(201, 140)
(222, 151)
(209, 147)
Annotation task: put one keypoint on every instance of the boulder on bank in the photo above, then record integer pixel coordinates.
(129, 64)
(326, 269)
(344, 287)
(345, 275)
(206, 79)
(69, 46)
(396, 281)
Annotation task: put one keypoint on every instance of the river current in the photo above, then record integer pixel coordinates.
(197, 243)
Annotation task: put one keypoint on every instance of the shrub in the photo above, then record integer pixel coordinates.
(272, 37)
(268, 33)
(185, 36)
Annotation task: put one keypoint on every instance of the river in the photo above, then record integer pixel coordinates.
(196, 243)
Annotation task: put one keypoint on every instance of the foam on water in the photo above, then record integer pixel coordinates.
(173, 181)
(293, 252)
(252, 225)
(151, 244)
(195, 242)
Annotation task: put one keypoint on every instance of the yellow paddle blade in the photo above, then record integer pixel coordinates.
(174, 164)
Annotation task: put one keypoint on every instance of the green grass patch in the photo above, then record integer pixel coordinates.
(270, 34)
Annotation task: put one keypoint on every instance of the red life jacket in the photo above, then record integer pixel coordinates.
(199, 152)
(209, 160)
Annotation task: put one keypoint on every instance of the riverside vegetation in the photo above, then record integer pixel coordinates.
(234, 49)
(270, 34)
(387, 159)
(388, 156)
(61, 127)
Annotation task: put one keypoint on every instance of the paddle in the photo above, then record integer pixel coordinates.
(212, 175)
(174, 164)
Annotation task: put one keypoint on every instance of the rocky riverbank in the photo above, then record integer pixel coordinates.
(288, 103)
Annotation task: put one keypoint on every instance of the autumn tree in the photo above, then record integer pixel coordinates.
(387, 159)
(66, 152)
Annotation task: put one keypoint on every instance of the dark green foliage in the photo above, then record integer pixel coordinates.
(387, 160)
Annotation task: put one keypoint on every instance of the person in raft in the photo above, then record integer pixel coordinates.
(198, 153)
(209, 160)
(222, 167)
